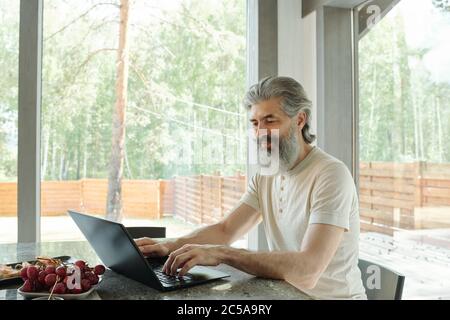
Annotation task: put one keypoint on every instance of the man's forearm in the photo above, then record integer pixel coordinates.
(292, 267)
(237, 223)
(212, 234)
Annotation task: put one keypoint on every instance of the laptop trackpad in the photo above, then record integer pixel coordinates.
(200, 273)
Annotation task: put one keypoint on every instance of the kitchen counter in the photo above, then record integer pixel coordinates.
(239, 286)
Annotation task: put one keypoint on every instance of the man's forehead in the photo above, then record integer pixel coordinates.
(265, 108)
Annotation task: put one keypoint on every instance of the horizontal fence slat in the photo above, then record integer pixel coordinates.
(395, 187)
(436, 183)
(436, 192)
(383, 201)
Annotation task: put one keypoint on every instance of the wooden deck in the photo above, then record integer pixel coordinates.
(425, 264)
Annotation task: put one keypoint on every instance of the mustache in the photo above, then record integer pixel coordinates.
(265, 138)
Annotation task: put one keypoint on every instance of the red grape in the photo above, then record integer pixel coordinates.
(27, 286)
(87, 275)
(60, 288)
(50, 269)
(99, 269)
(41, 277)
(24, 273)
(38, 286)
(50, 279)
(80, 264)
(61, 272)
(76, 291)
(32, 272)
(85, 285)
(93, 278)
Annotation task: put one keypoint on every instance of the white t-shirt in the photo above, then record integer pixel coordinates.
(320, 189)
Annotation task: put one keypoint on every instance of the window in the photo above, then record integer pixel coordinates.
(404, 114)
(9, 54)
(182, 154)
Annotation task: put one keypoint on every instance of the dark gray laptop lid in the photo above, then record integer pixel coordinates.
(115, 248)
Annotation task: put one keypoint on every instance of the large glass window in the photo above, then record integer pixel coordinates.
(404, 112)
(9, 54)
(181, 156)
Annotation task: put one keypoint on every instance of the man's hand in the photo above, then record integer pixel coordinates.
(241, 219)
(152, 248)
(191, 255)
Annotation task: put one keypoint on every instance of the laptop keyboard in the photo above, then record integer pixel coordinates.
(170, 280)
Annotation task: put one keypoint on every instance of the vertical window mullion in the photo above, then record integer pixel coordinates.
(262, 61)
(30, 70)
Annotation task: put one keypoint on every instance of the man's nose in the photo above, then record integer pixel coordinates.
(262, 131)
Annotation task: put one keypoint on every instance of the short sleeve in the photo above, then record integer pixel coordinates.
(250, 197)
(333, 197)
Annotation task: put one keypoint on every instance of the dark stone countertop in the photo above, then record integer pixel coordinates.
(239, 286)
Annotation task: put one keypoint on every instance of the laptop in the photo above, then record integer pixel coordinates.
(118, 251)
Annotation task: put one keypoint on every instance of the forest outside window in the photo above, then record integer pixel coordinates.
(141, 113)
(404, 153)
(9, 56)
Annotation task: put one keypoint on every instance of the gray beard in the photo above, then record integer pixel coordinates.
(289, 151)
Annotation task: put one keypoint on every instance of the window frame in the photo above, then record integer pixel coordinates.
(29, 122)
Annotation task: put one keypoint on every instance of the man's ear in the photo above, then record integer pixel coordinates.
(301, 119)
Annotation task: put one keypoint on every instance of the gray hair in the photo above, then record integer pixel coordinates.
(294, 99)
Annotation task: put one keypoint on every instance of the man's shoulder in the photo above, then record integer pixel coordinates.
(332, 171)
(325, 162)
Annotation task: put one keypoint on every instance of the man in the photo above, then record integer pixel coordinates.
(309, 208)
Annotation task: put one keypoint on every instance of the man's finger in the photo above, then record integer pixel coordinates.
(169, 261)
(187, 266)
(173, 255)
(144, 241)
(152, 249)
(178, 261)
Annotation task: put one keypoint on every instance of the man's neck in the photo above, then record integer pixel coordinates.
(305, 149)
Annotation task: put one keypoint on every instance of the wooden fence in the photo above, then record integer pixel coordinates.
(140, 197)
(404, 196)
(196, 199)
(205, 199)
(392, 196)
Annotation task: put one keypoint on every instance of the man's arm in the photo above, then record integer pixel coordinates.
(225, 232)
(302, 269)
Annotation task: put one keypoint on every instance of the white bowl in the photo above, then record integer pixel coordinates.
(65, 296)
(46, 298)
